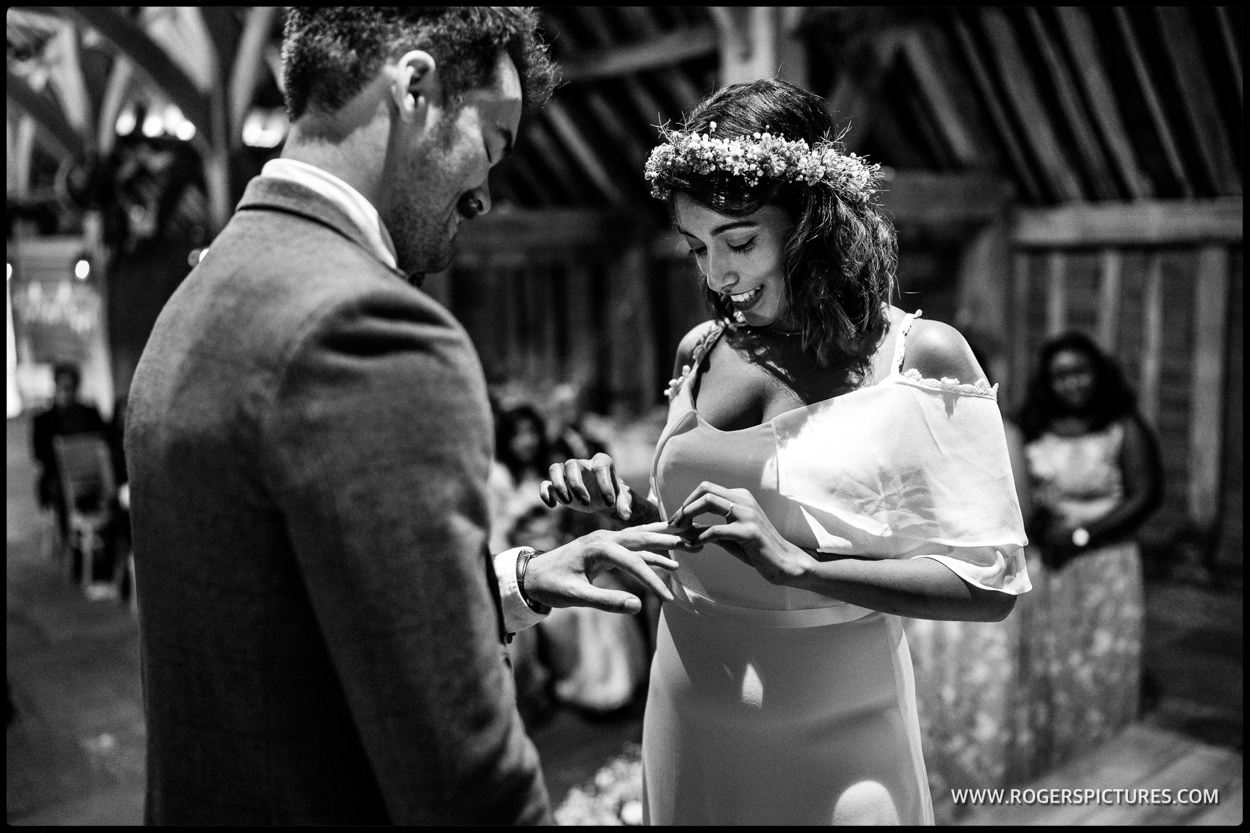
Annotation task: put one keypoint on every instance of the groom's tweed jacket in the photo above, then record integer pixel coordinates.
(309, 440)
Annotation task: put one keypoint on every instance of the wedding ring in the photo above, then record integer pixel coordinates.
(729, 511)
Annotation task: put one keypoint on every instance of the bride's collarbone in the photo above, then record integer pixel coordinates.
(738, 393)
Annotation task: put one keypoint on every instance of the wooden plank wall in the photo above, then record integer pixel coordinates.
(1162, 292)
(552, 297)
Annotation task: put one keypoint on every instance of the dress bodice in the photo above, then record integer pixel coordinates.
(860, 474)
(1078, 477)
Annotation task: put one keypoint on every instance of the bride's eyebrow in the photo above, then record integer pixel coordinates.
(722, 229)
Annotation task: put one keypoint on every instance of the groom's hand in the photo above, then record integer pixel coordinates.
(588, 486)
(564, 577)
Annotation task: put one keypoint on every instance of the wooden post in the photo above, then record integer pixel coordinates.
(581, 365)
(20, 145)
(1152, 340)
(1109, 301)
(760, 42)
(633, 384)
(1022, 344)
(1206, 425)
(984, 278)
(1056, 294)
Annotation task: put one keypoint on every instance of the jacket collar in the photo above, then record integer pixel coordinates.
(274, 194)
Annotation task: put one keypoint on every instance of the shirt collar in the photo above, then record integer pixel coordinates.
(355, 204)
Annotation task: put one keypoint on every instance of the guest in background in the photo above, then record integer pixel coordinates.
(1095, 476)
(67, 415)
(518, 518)
(968, 680)
(571, 436)
(522, 455)
(587, 659)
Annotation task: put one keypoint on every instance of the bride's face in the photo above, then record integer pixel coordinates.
(742, 258)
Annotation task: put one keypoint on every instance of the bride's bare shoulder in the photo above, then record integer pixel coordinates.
(937, 350)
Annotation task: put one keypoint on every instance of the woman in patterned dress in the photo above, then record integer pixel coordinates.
(1095, 478)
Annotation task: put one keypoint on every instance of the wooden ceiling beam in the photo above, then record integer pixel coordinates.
(927, 200)
(1145, 223)
(1182, 45)
(550, 154)
(1087, 147)
(856, 92)
(685, 91)
(116, 93)
(56, 133)
(555, 118)
(19, 143)
(62, 54)
(1083, 44)
(989, 95)
(644, 102)
(1024, 97)
(665, 50)
(249, 65)
(1163, 130)
(570, 134)
(148, 58)
(517, 168)
(635, 152)
(952, 118)
(1228, 34)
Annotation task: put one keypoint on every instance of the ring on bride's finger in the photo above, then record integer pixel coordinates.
(729, 511)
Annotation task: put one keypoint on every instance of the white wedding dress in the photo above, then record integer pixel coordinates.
(769, 705)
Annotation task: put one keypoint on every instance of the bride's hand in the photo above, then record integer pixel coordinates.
(747, 533)
(588, 486)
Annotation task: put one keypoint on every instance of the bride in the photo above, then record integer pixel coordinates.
(841, 463)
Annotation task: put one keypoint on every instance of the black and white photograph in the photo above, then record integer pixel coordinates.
(625, 416)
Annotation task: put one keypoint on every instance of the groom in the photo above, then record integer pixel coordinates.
(322, 630)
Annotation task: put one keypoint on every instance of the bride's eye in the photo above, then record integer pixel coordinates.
(744, 248)
(697, 252)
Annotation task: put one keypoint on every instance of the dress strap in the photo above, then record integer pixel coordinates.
(690, 370)
(705, 345)
(901, 343)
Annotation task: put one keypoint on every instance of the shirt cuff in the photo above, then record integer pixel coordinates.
(517, 615)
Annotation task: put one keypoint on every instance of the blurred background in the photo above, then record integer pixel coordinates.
(1048, 168)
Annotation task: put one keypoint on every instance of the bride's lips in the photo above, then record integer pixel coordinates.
(745, 300)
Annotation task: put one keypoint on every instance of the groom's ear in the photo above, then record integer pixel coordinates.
(415, 87)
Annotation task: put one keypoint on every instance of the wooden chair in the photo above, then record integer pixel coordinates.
(89, 487)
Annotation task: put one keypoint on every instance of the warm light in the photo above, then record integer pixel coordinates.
(8, 271)
(177, 124)
(126, 123)
(153, 125)
(82, 269)
(264, 130)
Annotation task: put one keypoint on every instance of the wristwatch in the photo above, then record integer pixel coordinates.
(1080, 537)
(522, 563)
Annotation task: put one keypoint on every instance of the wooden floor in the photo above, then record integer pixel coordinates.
(1139, 771)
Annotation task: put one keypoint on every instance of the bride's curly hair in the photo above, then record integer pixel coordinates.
(841, 257)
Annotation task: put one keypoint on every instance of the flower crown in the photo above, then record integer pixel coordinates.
(758, 156)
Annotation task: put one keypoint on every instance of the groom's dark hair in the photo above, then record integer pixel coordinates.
(329, 53)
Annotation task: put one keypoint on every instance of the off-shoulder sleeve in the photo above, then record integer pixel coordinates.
(913, 468)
